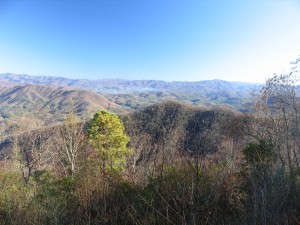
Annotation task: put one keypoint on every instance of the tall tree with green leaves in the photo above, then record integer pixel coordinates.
(106, 134)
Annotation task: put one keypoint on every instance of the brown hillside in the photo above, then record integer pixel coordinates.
(166, 131)
(50, 99)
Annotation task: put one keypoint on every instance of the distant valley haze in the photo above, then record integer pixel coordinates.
(129, 94)
(150, 112)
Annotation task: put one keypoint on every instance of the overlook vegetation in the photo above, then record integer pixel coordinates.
(167, 163)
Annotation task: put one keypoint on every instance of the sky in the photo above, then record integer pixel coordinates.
(173, 40)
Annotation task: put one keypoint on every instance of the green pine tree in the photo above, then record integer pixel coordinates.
(106, 135)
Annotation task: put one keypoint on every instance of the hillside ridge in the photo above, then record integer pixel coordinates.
(51, 99)
(135, 94)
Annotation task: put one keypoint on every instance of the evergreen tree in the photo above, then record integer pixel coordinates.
(106, 135)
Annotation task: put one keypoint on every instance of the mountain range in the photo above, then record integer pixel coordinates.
(135, 94)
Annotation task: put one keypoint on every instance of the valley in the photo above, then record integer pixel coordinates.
(144, 148)
(149, 112)
(135, 94)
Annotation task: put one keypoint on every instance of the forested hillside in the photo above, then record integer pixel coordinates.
(30, 106)
(135, 94)
(168, 163)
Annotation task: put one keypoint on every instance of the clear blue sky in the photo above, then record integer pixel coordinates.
(242, 40)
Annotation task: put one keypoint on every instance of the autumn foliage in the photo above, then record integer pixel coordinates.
(169, 164)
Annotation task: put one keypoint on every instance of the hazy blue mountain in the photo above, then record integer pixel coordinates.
(139, 93)
(121, 86)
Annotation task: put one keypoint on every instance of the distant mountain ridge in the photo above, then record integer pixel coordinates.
(139, 93)
(120, 85)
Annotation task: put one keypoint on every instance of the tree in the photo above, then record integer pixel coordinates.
(70, 142)
(259, 153)
(280, 102)
(271, 171)
(106, 135)
(30, 150)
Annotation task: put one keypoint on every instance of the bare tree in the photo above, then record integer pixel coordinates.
(70, 143)
(281, 104)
